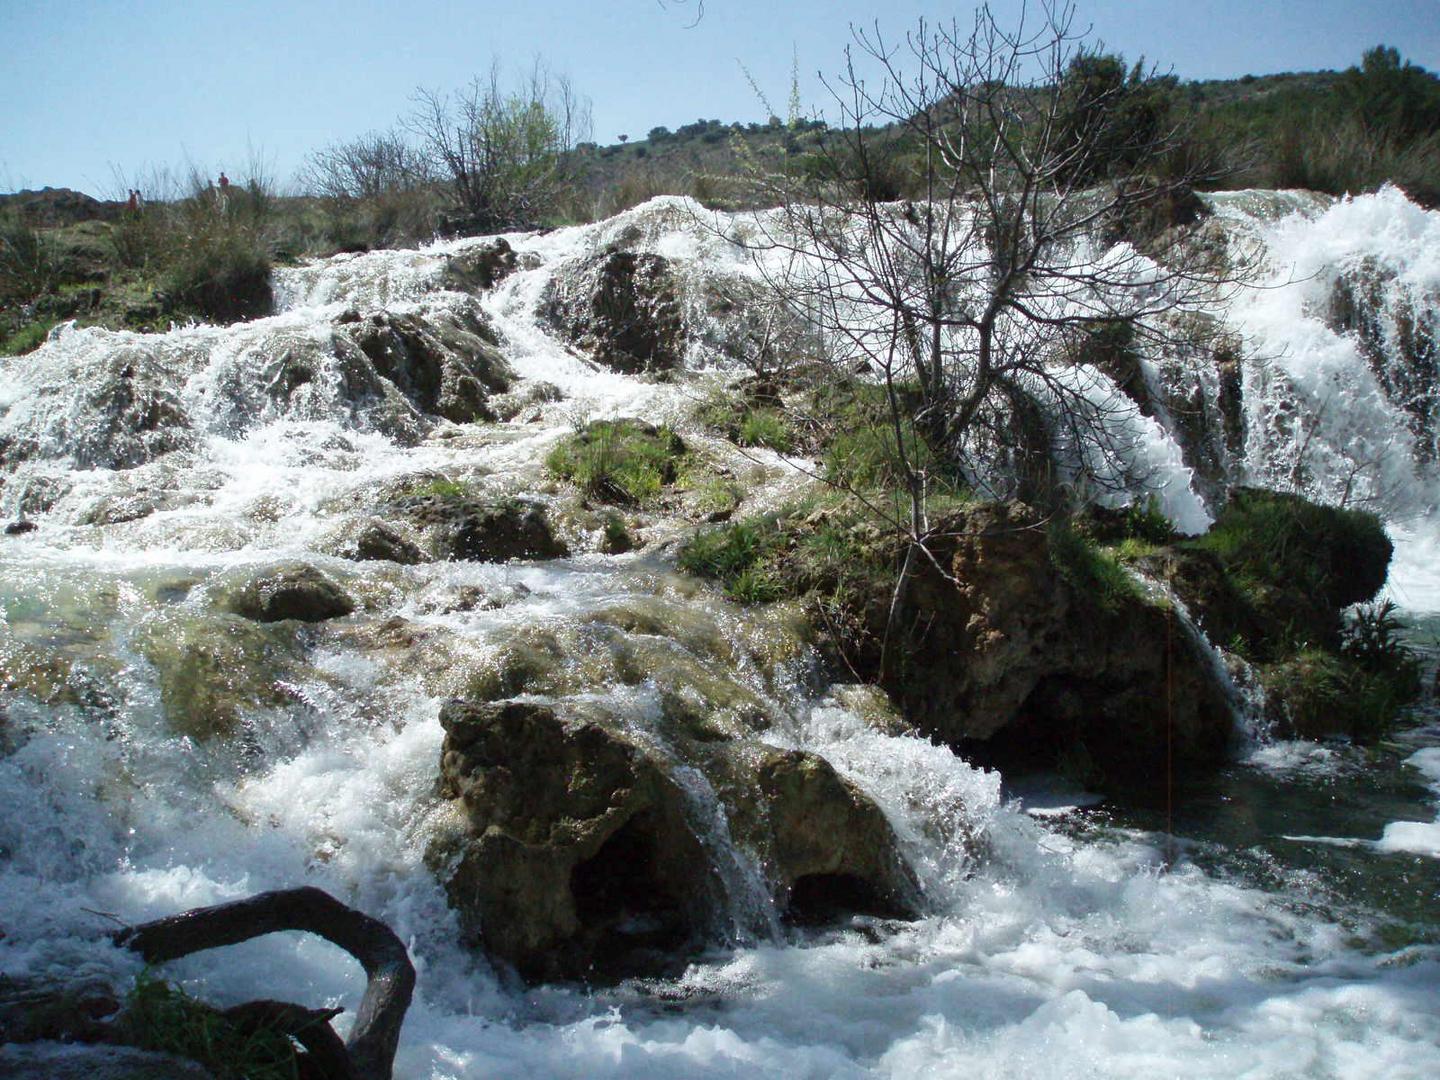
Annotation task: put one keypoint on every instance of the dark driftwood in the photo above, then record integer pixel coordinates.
(372, 1042)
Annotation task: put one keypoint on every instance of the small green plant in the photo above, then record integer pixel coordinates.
(615, 538)
(160, 1017)
(737, 555)
(1090, 570)
(765, 427)
(1146, 520)
(440, 487)
(1320, 694)
(619, 461)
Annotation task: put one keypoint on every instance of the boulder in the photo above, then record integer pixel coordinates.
(479, 269)
(623, 309)
(574, 849)
(446, 367)
(826, 848)
(292, 592)
(464, 527)
(573, 855)
(1276, 571)
(1018, 659)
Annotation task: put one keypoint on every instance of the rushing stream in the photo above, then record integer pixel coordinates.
(1281, 919)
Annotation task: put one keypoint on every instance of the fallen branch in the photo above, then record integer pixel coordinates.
(376, 1034)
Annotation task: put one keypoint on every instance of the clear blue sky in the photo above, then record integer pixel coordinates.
(91, 86)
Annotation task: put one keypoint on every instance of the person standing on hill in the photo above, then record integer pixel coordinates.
(224, 183)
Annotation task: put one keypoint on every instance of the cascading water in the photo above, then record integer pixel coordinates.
(162, 469)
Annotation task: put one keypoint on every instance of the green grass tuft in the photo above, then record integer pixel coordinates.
(160, 1017)
(619, 461)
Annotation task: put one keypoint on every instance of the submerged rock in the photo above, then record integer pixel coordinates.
(214, 668)
(623, 309)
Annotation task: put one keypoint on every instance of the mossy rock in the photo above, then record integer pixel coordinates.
(1296, 564)
(213, 668)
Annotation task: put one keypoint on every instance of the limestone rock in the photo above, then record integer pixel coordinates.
(623, 309)
(293, 592)
(575, 856)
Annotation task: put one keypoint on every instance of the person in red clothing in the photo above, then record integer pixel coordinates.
(224, 182)
(133, 203)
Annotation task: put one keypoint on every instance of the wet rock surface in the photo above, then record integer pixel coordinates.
(446, 365)
(1019, 665)
(293, 592)
(622, 308)
(465, 527)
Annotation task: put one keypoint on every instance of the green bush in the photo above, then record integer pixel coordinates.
(1317, 693)
(765, 427)
(223, 276)
(28, 263)
(619, 461)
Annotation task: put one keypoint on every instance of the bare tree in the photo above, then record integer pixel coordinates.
(500, 150)
(369, 167)
(989, 202)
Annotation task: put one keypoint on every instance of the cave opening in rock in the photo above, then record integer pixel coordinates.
(625, 902)
(819, 899)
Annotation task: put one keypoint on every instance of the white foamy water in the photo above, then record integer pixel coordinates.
(1045, 949)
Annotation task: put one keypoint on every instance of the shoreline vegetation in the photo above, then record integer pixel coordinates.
(489, 158)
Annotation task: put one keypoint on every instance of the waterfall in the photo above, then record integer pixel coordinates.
(165, 471)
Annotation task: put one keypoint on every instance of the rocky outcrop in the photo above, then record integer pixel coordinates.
(827, 849)
(465, 527)
(623, 309)
(293, 592)
(575, 851)
(447, 364)
(479, 269)
(1015, 656)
